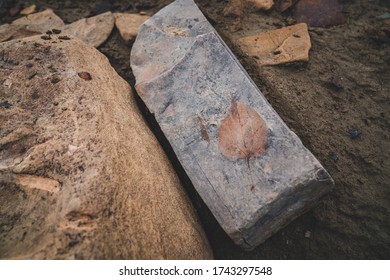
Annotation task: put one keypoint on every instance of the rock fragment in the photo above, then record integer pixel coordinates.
(284, 45)
(39, 22)
(128, 24)
(29, 10)
(283, 5)
(81, 174)
(254, 175)
(319, 13)
(30, 25)
(260, 4)
(94, 30)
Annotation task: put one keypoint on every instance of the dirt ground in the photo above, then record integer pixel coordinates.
(352, 222)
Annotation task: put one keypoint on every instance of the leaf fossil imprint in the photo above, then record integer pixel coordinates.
(242, 134)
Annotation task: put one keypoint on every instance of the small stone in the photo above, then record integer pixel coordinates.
(334, 157)
(236, 8)
(85, 76)
(32, 75)
(128, 24)
(63, 38)
(284, 45)
(6, 104)
(308, 234)
(283, 5)
(45, 37)
(260, 4)
(39, 22)
(337, 82)
(354, 133)
(29, 10)
(55, 79)
(29, 65)
(383, 32)
(56, 31)
(30, 25)
(35, 95)
(94, 30)
(319, 13)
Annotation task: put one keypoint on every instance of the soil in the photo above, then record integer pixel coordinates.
(337, 103)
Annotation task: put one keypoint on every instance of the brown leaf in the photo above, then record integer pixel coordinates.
(243, 133)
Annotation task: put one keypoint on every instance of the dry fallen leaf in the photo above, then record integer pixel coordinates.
(242, 134)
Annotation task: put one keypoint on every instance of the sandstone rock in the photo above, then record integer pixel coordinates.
(128, 24)
(284, 45)
(9, 32)
(30, 25)
(94, 30)
(283, 5)
(39, 22)
(252, 172)
(236, 8)
(261, 4)
(81, 175)
(29, 10)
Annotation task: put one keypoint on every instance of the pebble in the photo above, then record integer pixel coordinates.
(45, 37)
(279, 46)
(29, 10)
(6, 104)
(319, 13)
(85, 76)
(354, 133)
(334, 157)
(338, 82)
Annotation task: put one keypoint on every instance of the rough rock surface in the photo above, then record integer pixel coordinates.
(81, 175)
(284, 45)
(30, 25)
(128, 24)
(213, 115)
(94, 30)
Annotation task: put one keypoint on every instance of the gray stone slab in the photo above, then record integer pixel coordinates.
(252, 171)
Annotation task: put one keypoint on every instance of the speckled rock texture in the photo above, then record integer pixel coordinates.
(252, 172)
(81, 174)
